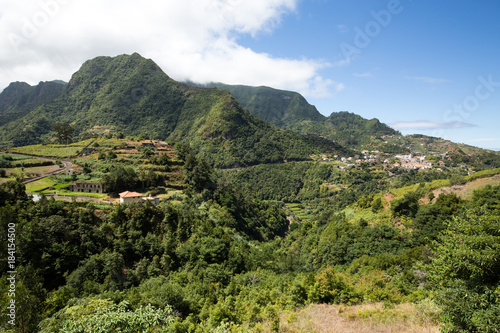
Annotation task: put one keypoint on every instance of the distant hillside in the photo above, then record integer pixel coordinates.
(281, 108)
(132, 95)
(19, 98)
(290, 110)
(350, 129)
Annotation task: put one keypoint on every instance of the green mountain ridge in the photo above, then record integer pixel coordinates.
(19, 98)
(132, 95)
(290, 110)
(231, 125)
(281, 108)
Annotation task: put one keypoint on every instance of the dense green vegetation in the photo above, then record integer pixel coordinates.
(285, 109)
(321, 184)
(130, 94)
(255, 221)
(220, 260)
(19, 98)
(289, 110)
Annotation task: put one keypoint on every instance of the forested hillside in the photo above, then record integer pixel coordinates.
(19, 98)
(132, 95)
(285, 109)
(143, 204)
(290, 110)
(217, 260)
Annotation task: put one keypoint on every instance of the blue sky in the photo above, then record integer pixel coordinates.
(421, 66)
(417, 69)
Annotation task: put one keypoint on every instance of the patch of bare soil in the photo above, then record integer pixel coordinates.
(466, 191)
(367, 318)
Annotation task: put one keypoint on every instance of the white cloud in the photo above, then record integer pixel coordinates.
(191, 40)
(428, 125)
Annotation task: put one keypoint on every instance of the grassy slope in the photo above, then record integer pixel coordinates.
(366, 318)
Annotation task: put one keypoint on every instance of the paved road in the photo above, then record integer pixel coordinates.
(67, 165)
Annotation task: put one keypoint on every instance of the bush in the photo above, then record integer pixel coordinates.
(406, 206)
(104, 316)
(464, 272)
(457, 180)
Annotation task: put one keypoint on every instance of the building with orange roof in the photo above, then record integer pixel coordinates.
(129, 197)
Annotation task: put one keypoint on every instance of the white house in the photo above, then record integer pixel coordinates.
(129, 197)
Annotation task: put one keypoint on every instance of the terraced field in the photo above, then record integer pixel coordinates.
(53, 150)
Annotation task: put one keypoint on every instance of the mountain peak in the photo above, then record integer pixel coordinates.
(281, 108)
(20, 97)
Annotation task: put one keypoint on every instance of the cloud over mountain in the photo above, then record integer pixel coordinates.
(426, 125)
(192, 40)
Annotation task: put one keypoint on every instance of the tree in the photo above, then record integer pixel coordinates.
(184, 150)
(200, 176)
(111, 155)
(406, 206)
(29, 297)
(465, 271)
(148, 177)
(12, 192)
(377, 205)
(198, 173)
(163, 160)
(119, 179)
(64, 132)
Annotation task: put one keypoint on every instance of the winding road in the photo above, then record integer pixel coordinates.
(67, 164)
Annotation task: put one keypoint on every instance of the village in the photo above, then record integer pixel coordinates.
(418, 160)
(409, 161)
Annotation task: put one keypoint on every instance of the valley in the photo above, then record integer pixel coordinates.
(171, 207)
